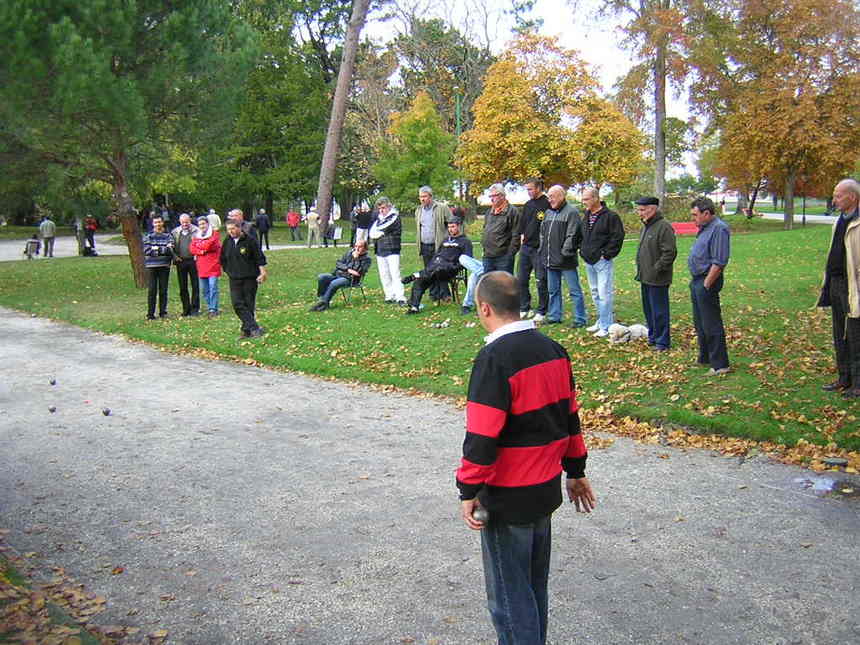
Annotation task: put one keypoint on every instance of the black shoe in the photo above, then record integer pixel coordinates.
(256, 333)
(408, 279)
(412, 310)
(316, 306)
(465, 310)
(401, 303)
(836, 386)
(149, 317)
(851, 393)
(165, 315)
(245, 334)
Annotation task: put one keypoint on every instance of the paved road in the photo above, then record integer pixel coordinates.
(249, 506)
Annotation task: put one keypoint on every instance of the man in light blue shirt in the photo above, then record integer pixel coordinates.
(707, 260)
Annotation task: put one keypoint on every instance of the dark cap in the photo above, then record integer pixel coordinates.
(454, 219)
(647, 201)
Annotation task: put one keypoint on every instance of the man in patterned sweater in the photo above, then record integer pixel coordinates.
(522, 429)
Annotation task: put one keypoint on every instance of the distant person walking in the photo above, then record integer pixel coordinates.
(841, 289)
(91, 225)
(313, 220)
(264, 225)
(48, 231)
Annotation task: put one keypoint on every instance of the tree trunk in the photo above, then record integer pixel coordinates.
(338, 111)
(660, 122)
(788, 201)
(130, 230)
(743, 200)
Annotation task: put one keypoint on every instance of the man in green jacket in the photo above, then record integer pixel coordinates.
(654, 258)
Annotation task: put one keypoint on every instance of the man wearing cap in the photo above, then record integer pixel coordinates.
(443, 266)
(707, 261)
(430, 218)
(654, 258)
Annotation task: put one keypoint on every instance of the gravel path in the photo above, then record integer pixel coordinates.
(250, 506)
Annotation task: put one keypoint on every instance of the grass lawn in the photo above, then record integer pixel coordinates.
(12, 232)
(779, 343)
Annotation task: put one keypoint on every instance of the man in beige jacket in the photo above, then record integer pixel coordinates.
(841, 290)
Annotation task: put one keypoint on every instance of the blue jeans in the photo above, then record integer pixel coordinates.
(328, 284)
(516, 571)
(708, 319)
(655, 305)
(476, 270)
(556, 302)
(501, 263)
(209, 288)
(600, 275)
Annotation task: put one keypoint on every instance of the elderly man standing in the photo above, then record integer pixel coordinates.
(264, 225)
(707, 261)
(841, 290)
(48, 232)
(602, 237)
(560, 237)
(501, 239)
(186, 265)
(430, 219)
(385, 233)
(654, 259)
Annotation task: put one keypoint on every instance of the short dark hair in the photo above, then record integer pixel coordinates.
(501, 291)
(536, 182)
(155, 217)
(704, 204)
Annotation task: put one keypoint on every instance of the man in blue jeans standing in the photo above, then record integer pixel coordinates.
(602, 237)
(707, 261)
(522, 430)
(501, 238)
(560, 237)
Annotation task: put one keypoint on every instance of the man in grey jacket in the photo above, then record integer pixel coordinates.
(560, 238)
(501, 239)
(431, 231)
(654, 258)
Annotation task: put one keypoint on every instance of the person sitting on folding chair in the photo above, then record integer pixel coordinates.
(443, 266)
(348, 272)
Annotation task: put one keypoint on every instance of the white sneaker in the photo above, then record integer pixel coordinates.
(539, 317)
(593, 327)
(601, 333)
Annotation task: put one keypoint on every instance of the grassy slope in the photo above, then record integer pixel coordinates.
(778, 342)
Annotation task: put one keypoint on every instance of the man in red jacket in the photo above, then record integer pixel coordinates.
(522, 430)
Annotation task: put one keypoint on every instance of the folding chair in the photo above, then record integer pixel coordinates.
(461, 277)
(359, 285)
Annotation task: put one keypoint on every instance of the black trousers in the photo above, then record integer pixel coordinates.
(528, 261)
(427, 280)
(243, 294)
(438, 289)
(158, 279)
(187, 270)
(708, 319)
(846, 334)
(264, 235)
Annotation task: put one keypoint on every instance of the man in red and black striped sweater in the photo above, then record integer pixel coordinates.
(522, 429)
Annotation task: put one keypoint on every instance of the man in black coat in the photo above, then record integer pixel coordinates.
(348, 270)
(244, 262)
(602, 237)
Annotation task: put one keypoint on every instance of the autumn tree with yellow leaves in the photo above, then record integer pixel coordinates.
(540, 115)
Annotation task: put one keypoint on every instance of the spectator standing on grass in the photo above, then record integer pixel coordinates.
(530, 222)
(157, 258)
(430, 232)
(348, 270)
(841, 289)
(294, 220)
(48, 231)
(654, 259)
(313, 228)
(186, 265)
(206, 248)
(501, 238)
(560, 237)
(245, 264)
(522, 430)
(91, 225)
(247, 228)
(385, 234)
(602, 238)
(264, 225)
(707, 262)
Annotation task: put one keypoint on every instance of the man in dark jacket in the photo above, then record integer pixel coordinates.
(157, 257)
(501, 238)
(654, 258)
(244, 262)
(443, 266)
(530, 220)
(349, 270)
(602, 237)
(264, 225)
(560, 237)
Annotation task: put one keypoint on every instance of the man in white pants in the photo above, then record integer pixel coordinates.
(385, 235)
